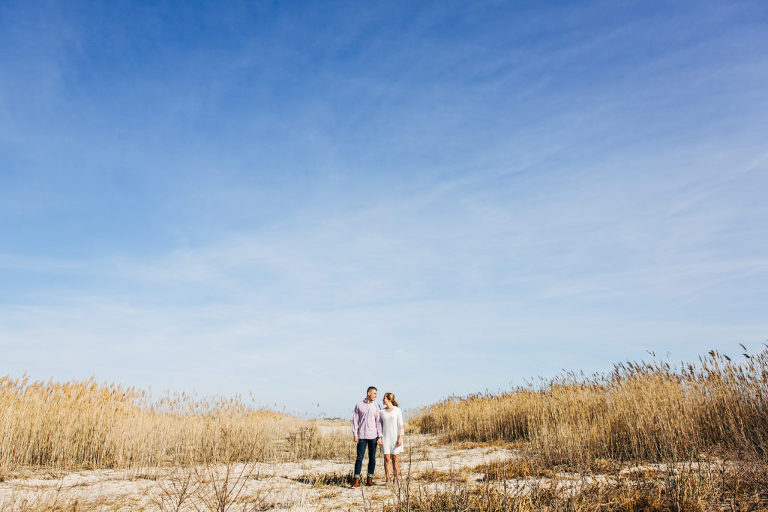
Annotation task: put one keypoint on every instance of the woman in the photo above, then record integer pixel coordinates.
(392, 430)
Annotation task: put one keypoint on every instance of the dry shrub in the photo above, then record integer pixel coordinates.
(54, 502)
(513, 469)
(176, 488)
(220, 487)
(436, 475)
(334, 478)
(639, 411)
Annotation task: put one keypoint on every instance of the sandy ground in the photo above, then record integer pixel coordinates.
(296, 486)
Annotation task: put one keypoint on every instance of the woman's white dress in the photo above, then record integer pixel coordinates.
(391, 425)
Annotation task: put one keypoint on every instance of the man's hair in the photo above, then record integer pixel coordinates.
(371, 388)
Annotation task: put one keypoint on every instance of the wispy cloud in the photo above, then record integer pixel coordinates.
(286, 198)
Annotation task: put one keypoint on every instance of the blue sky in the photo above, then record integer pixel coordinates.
(297, 199)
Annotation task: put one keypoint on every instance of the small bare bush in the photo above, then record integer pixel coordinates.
(177, 487)
(221, 486)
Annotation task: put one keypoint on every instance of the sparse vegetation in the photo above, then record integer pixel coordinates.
(513, 469)
(335, 478)
(435, 475)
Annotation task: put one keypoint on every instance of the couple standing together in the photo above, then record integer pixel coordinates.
(373, 425)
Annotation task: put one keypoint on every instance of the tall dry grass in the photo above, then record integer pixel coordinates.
(90, 425)
(687, 489)
(640, 411)
(586, 442)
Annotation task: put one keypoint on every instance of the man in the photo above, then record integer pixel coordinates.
(367, 431)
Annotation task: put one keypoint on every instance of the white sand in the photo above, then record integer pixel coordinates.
(278, 485)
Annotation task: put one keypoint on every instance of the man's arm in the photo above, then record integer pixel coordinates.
(355, 422)
(379, 428)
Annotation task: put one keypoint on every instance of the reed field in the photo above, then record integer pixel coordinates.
(78, 425)
(639, 412)
(644, 436)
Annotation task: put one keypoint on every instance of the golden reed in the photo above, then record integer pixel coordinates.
(640, 411)
(84, 424)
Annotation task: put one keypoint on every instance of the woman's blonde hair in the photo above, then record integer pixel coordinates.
(391, 397)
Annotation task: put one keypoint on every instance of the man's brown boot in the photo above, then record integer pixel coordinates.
(369, 481)
(356, 483)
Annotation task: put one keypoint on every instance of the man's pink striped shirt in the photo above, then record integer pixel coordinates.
(365, 420)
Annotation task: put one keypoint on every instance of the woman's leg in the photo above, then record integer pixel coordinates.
(395, 468)
(387, 466)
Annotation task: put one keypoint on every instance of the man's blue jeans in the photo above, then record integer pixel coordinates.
(361, 445)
